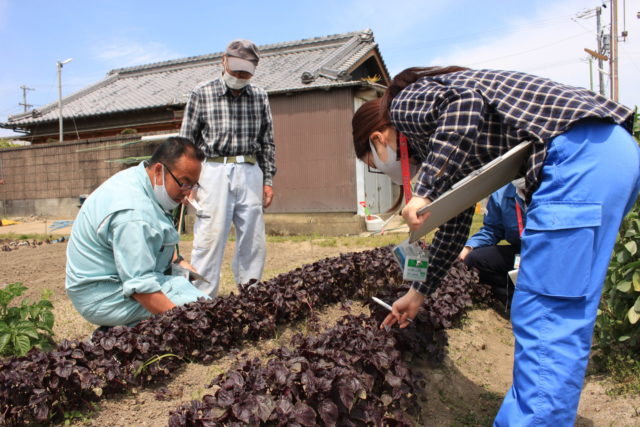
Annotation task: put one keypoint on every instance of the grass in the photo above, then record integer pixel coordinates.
(33, 236)
(375, 240)
(625, 375)
(315, 239)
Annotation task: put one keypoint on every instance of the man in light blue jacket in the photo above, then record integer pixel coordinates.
(504, 220)
(123, 240)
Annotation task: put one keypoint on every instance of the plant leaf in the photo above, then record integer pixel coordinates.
(624, 286)
(265, 406)
(636, 281)
(304, 414)
(328, 412)
(631, 247)
(622, 257)
(633, 316)
(4, 340)
(22, 344)
(27, 329)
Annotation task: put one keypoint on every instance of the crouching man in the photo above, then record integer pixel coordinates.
(123, 240)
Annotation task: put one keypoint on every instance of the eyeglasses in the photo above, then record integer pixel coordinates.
(183, 187)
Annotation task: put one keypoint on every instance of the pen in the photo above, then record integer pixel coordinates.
(385, 305)
(195, 204)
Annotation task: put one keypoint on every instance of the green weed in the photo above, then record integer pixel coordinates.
(26, 325)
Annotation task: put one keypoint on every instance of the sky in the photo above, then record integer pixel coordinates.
(542, 37)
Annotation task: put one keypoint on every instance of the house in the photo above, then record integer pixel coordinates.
(314, 86)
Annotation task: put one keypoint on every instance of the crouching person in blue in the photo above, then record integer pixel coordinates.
(504, 220)
(123, 240)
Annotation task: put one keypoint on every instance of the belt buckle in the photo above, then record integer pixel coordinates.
(239, 159)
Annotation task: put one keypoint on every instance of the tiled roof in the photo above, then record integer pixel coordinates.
(284, 67)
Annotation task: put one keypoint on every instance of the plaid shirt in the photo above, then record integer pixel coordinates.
(226, 125)
(457, 122)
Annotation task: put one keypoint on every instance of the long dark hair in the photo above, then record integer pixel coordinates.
(373, 115)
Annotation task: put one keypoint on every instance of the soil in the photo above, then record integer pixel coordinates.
(465, 390)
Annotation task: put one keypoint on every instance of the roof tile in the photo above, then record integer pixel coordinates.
(327, 60)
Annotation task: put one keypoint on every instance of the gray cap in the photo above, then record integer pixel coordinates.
(242, 55)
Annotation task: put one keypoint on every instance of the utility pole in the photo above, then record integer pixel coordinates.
(599, 40)
(614, 50)
(602, 47)
(590, 73)
(59, 65)
(24, 97)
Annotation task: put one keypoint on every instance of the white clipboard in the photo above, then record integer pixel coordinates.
(474, 187)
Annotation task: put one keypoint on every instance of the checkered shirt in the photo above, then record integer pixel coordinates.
(457, 122)
(226, 125)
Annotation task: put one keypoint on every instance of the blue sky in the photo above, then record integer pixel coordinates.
(542, 37)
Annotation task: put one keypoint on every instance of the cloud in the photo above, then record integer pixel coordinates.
(551, 44)
(119, 53)
(528, 45)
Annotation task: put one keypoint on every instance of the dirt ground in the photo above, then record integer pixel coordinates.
(465, 390)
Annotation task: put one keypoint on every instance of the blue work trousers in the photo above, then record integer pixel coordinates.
(589, 181)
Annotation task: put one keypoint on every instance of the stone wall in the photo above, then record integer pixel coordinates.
(48, 179)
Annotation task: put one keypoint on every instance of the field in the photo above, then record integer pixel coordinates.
(465, 390)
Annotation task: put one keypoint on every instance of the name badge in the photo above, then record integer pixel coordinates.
(413, 260)
(516, 262)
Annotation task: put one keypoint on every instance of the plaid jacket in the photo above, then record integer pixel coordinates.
(224, 125)
(457, 122)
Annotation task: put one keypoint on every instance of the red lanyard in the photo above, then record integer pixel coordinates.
(404, 162)
(519, 215)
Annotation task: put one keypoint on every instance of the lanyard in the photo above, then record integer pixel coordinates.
(406, 180)
(519, 215)
(404, 162)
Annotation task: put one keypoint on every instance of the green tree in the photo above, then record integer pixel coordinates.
(6, 143)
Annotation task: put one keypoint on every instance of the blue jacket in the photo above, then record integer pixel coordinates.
(500, 221)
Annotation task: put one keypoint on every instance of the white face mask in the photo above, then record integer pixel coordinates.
(234, 82)
(519, 183)
(392, 168)
(520, 186)
(160, 191)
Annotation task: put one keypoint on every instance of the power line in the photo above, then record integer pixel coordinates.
(528, 51)
(24, 97)
(534, 26)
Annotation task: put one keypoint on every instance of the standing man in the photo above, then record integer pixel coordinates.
(230, 120)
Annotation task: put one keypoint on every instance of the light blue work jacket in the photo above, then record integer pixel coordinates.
(121, 242)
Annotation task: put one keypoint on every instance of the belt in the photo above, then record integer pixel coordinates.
(248, 158)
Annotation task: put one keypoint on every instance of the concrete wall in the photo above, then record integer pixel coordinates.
(62, 171)
(66, 207)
